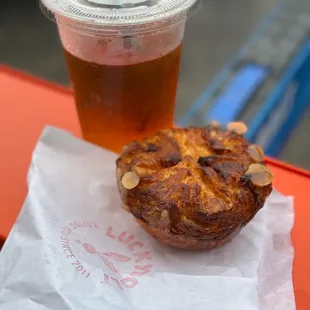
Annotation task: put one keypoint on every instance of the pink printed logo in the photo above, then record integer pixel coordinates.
(107, 258)
(135, 257)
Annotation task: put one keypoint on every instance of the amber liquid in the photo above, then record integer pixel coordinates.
(118, 104)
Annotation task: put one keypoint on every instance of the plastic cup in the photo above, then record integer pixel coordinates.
(123, 61)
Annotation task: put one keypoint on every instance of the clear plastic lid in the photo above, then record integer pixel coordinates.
(115, 12)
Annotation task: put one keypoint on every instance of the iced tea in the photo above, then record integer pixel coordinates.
(120, 103)
(123, 58)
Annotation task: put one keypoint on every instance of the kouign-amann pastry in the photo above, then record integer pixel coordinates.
(194, 188)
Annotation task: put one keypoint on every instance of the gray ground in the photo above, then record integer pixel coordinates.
(214, 33)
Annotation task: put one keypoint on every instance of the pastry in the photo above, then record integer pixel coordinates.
(194, 188)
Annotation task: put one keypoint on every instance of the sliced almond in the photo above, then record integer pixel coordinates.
(237, 127)
(260, 175)
(130, 180)
(256, 153)
(215, 124)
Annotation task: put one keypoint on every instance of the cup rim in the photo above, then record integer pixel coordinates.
(93, 16)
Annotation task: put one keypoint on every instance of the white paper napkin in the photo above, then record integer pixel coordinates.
(73, 247)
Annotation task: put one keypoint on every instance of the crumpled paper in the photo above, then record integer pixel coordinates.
(73, 247)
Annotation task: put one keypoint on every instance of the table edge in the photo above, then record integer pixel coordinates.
(65, 90)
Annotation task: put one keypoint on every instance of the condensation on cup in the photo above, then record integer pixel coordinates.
(123, 59)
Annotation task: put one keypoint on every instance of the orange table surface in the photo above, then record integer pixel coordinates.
(29, 104)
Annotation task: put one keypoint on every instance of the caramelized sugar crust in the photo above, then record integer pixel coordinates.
(193, 190)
